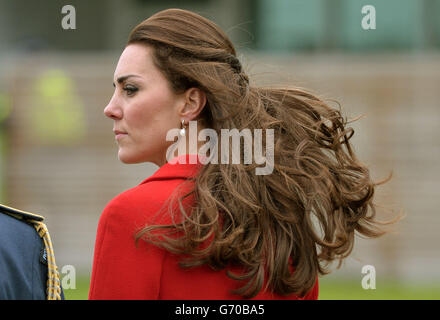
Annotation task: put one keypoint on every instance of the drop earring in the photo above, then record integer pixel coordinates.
(183, 130)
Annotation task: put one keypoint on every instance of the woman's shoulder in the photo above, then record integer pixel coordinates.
(151, 197)
(144, 201)
(147, 193)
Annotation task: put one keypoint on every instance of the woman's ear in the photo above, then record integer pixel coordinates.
(195, 101)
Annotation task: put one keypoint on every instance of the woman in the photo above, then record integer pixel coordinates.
(200, 229)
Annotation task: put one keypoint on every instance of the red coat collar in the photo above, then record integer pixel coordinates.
(181, 167)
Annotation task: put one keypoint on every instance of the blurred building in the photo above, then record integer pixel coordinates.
(58, 155)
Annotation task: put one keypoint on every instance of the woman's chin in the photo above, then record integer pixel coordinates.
(125, 158)
(131, 158)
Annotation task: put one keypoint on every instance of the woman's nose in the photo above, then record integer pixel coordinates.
(112, 110)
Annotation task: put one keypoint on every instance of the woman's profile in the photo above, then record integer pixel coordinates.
(200, 229)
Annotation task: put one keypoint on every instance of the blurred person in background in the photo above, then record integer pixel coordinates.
(200, 230)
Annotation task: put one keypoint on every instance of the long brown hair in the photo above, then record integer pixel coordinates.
(305, 213)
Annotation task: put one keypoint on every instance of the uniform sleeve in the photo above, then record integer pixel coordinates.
(122, 270)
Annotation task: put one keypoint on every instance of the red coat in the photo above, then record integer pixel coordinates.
(122, 270)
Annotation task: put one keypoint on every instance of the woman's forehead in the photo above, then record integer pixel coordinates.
(135, 59)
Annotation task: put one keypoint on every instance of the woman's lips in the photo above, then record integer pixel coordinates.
(119, 134)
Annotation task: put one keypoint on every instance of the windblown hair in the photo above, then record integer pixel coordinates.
(305, 213)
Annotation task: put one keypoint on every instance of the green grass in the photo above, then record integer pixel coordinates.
(329, 289)
(332, 289)
(82, 289)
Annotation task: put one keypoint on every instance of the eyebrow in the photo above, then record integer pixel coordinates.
(123, 78)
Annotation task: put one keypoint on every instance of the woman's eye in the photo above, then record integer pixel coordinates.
(130, 90)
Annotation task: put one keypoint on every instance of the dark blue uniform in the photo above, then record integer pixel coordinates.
(23, 257)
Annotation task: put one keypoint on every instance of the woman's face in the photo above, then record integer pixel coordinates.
(143, 107)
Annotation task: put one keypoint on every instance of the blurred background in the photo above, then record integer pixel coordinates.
(58, 157)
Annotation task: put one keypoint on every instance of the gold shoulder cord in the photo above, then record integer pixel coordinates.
(53, 287)
(53, 277)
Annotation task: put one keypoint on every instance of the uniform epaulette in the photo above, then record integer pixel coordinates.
(20, 214)
(53, 287)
